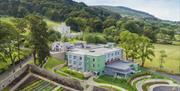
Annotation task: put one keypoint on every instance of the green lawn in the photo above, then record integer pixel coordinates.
(53, 62)
(10, 20)
(51, 23)
(72, 73)
(114, 81)
(172, 61)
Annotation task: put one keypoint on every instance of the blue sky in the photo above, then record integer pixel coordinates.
(163, 9)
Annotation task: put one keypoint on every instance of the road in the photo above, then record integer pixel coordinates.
(17, 67)
(175, 77)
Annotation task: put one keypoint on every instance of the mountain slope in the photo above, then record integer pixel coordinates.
(58, 10)
(124, 11)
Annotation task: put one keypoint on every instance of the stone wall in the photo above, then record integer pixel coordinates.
(4, 83)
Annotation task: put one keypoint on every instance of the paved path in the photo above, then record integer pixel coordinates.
(141, 83)
(175, 77)
(140, 78)
(164, 85)
(17, 67)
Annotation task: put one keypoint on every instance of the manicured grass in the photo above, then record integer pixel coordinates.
(73, 73)
(172, 61)
(53, 62)
(60, 73)
(115, 81)
(146, 86)
(51, 23)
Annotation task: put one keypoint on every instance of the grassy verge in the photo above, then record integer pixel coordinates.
(60, 73)
(73, 73)
(146, 86)
(53, 62)
(115, 81)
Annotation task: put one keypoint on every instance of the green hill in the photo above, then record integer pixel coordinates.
(57, 10)
(128, 12)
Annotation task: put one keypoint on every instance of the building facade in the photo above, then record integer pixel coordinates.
(93, 59)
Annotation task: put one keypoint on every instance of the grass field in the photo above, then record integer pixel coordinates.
(10, 20)
(172, 61)
(53, 62)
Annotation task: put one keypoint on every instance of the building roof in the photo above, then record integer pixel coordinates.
(93, 51)
(120, 65)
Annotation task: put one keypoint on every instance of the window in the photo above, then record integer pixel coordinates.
(74, 62)
(93, 59)
(80, 58)
(93, 65)
(74, 57)
(70, 61)
(70, 56)
(80, 63)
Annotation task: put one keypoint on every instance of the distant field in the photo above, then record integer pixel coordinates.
(10, 20)
(172, 61)
(51, 23)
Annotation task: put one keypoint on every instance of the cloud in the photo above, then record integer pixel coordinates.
(163, 9)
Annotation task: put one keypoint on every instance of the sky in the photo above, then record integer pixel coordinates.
(163, 9)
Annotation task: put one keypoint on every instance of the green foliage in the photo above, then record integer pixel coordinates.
(136, 47)
(94, 38)
(54, 35)
(39, 39)
(112, 34)
(59, 10)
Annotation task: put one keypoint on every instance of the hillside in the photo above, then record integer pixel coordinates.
(124, 11)
(57, 10)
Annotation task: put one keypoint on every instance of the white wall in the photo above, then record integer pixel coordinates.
(75, 61)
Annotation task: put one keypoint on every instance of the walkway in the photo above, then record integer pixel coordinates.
(140, 84)
(139, 78)
(151, 88)
(175, 77)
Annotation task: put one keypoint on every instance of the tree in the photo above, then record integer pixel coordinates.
(54, 35)
(20, 25)
(8, 41)
(39, 39)
(129, 41)
(145, 51)
(125, 42)
(162, 57)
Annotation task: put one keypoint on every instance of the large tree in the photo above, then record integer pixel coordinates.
(8, 42)
(146, 50)
(39, 39)
(129, 41)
